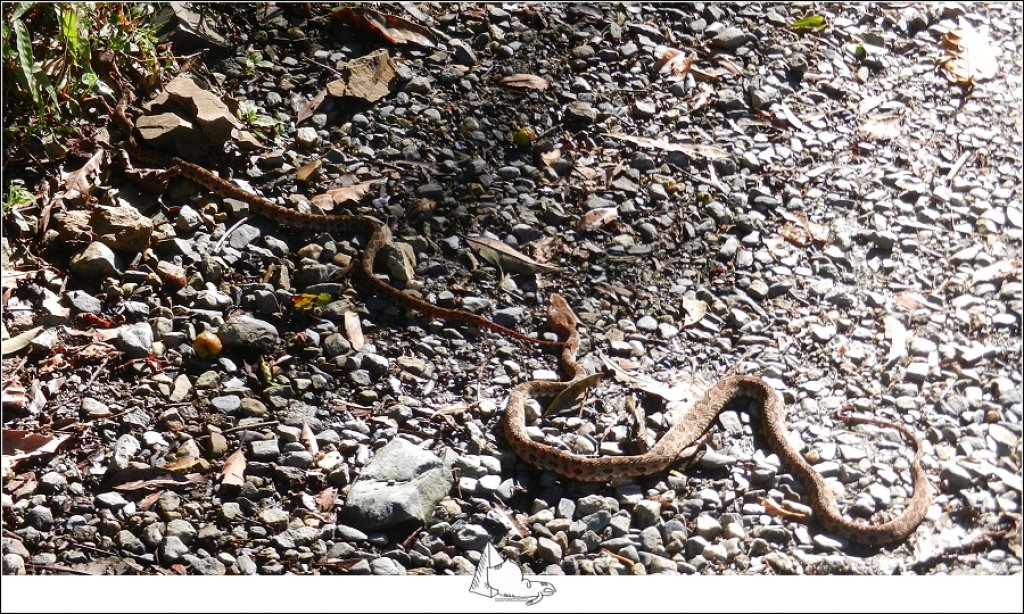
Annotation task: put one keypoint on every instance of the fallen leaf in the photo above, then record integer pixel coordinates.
(507, 259)
(309, 107)
(325, 499)
(673, 61)
(395, 30)
(810, 22)
(708, 152)
(308, 439)
(595, 218)
(350, 193)
(17, 342)
(306, 301)
(368, 78)
(19, 445)
(233, 473)
(695, 311)
(672, 394)
(571, 393)
(775, 509)
(523, 81)
(181, 464)
(508, 519)
(149, 500)
(308, 170)
(165, 479)
(970, 55)
(881, 127)
(354, 331)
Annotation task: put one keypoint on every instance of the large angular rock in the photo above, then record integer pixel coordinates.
(401, 485)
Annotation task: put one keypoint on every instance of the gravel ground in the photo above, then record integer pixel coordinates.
(841, 218)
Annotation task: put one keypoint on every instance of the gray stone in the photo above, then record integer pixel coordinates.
(248, 334)
(400, 485)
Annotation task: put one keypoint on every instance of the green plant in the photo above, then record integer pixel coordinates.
(17, 197)
(49, 50)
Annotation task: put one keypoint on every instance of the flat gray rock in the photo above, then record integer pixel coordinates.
(400, 485)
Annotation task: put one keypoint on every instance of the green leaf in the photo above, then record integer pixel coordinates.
(811, 22)
(69, 30)
(23, 7)
(25, 60)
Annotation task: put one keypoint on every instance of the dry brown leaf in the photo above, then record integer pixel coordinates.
(881, 127)
(970, 55)
(181, 464)
(368, 78)
(309, 440)
(308, 170)
(775, 509)
(325, 499)
(395, 30)
(233, 473)
(310, 106)
(695, 311)
(595, 218)
(673, 61)
(149, 500)
(350, 193)
(507, 259)
(17, 342)
(571, 393)
(169, 480)
(523, 81)
(19, 445)
(509, 520)
(354, 331)
(708, 152)
(78, 184)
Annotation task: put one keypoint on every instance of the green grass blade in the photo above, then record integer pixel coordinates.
(25, 60)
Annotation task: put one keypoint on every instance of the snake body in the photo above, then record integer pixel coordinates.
(379, 234)
(588, 469)
(683, 434)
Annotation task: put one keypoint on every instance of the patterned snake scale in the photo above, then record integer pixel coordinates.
(588, 469)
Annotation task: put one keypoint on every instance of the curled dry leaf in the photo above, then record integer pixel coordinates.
(354, 331)
(507, 259)
(17, 342)
(395, 30)
(350, 193)
(522, 81)
(595, 218)
(673, 61)
(19, 445)
(309, 440)
(572, 392)
(233, 473)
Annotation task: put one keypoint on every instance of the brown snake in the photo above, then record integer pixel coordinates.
(684, 433)
(589, 469)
